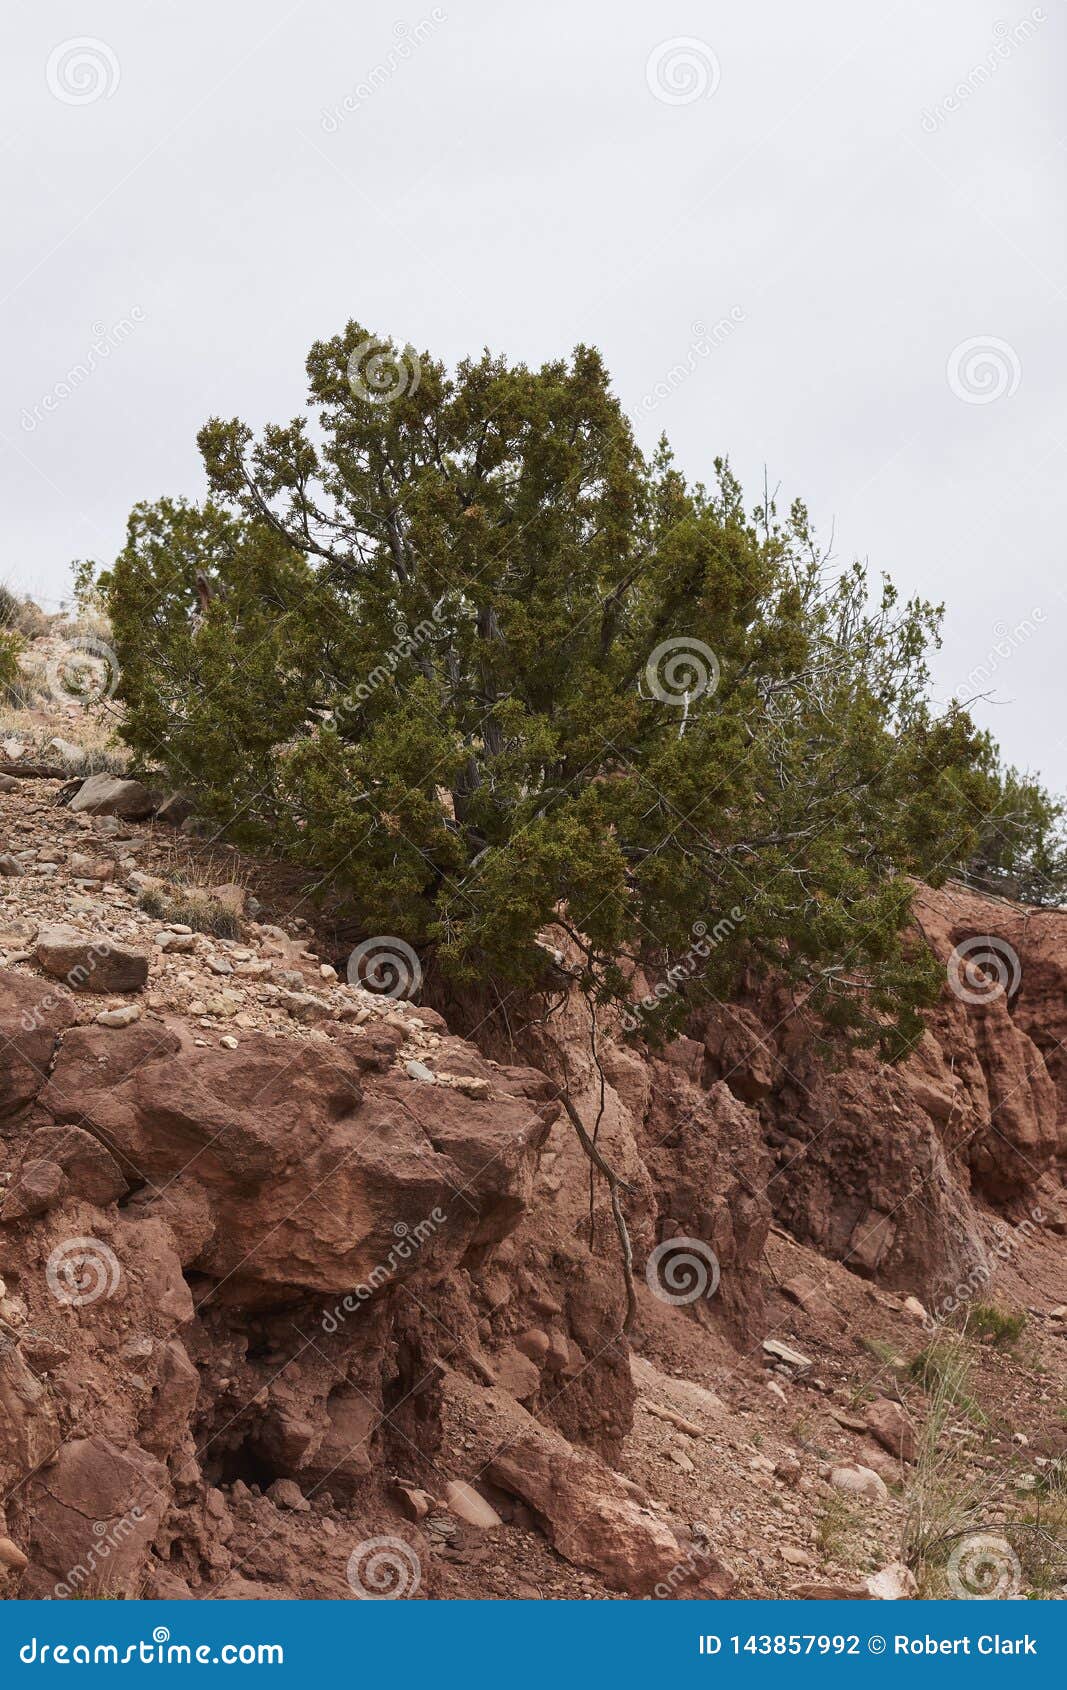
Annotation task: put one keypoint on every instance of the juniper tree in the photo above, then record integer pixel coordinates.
(485, 667)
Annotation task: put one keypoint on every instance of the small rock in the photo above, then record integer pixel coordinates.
(231, 896)
(10, 865)
(473, 1085)
(175, 808)
(894, 1583)
(419, 1071)
(228, 1042)
(413, 1504)
(11, 1556)
(887, 1422)
(464, 1502)
(37, 1187)
(855, 1480)
(69, 752)
(124, 1016)
(782, 1352)
(287, 1494)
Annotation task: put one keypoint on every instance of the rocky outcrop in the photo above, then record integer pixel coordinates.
(259, 1285)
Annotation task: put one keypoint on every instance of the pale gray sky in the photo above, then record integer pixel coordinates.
(867, 200)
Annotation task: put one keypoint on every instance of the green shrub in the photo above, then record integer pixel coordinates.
(985, 1321)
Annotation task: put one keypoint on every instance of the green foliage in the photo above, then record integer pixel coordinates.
(985, 1321)
(1022, 847)
(943, 1370)
(11, 643)
(451, 646)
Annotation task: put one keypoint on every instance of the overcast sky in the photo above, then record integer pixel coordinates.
(824, 238)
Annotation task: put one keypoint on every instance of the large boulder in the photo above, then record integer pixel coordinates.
(90, 962)
(96, 1509)
(318, 1177)
(32, 1017)
(107, 795)
(582, 1505)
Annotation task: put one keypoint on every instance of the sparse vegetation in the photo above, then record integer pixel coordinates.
(192, 906)
(984, 1321)
(837, 1529)
(943, 1370)
(10, 672)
